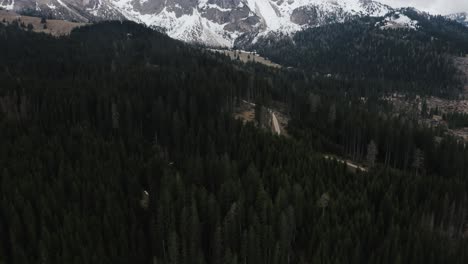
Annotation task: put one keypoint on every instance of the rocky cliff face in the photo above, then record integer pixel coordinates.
(212, 22)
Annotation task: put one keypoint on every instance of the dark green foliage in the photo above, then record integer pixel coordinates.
(456, 120)
(448, 32)
(88, 122)
(405, 60)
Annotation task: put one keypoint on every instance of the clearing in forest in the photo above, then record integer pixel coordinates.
(49, 26)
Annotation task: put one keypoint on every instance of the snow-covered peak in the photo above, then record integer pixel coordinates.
(212, 22)
(220, 22)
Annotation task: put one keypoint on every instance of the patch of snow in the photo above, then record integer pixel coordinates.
(202, 3)
(65, 6)
(275, 16)
(217, 7)
(7, 6)
(399, 21)
(71, 10)
(264, 9)
(62, 4)
(51, 6)
(95, 9)
(188, 27)
(350, 6)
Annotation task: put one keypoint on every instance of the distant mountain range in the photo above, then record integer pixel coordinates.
(218, 22)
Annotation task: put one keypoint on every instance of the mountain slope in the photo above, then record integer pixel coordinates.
(212, 22)
(460, 17)
(409, 48)
(218, 22)
(118, 147)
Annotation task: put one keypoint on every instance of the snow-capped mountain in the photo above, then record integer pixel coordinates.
(74, 10)
(460, 17)
(213, 22)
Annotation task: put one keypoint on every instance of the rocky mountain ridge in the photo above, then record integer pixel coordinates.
(213, 22)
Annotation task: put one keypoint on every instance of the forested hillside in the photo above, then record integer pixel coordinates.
(410, 60)
(119, 146)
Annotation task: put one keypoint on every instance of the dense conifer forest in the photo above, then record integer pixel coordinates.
(118, 145)
(404, 59)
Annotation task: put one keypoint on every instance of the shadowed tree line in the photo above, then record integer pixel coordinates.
(90, 122)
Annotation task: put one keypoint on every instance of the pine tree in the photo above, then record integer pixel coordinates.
(371, 154)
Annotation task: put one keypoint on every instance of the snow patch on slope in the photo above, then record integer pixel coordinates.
(397, 21)
(354, 7)
(275, 17)
(344, 7)
(188, 27)
(95, 10)
(214, 6)
(264, 9)
(51, 6)
(7, 6)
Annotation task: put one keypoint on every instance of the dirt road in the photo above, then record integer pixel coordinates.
(276, 126)
(352, 166)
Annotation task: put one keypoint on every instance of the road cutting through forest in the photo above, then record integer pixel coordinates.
(352, 166)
